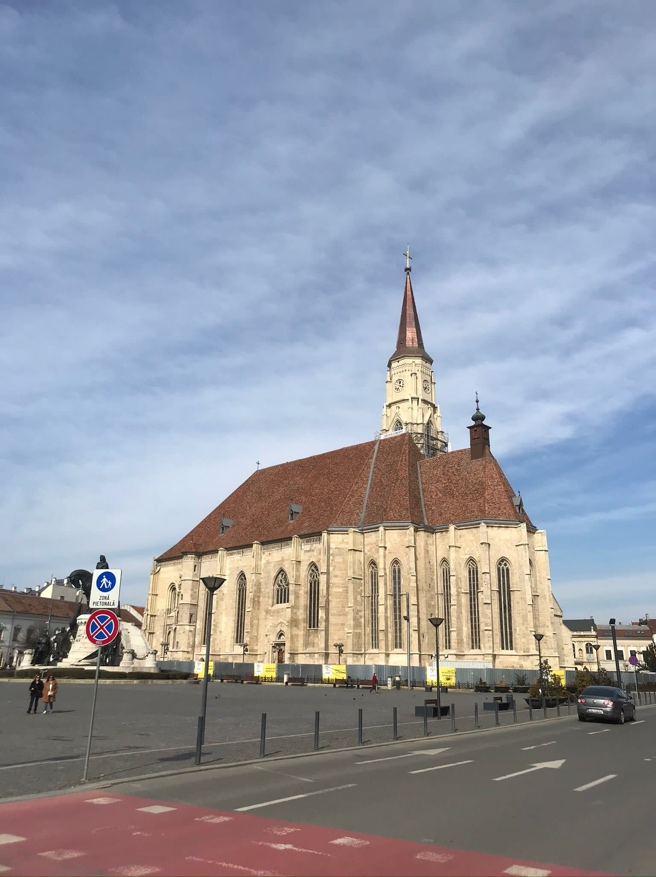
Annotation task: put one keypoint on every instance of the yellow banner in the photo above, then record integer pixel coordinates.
(558, 674)
(199, 668)
(448, 676)
(269, 671)
(334, 671)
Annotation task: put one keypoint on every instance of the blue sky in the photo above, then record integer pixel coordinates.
(203, 212)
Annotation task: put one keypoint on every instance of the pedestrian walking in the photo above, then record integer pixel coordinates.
(374, 683)
(50, 693)
(36, 693)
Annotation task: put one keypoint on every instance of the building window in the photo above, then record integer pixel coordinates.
(620, 654)
(16, 635)
(609, 655)
(633, 653)
(240, 621)
(474, 615)
(170, 603)
(281, 588)
(313, 596)
(396, 605)
(588, 650)
(505, 605)
(373, 608)
(446, 591)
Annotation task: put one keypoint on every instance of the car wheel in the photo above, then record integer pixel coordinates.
(633, 716)
(581, 718)
(622, 718)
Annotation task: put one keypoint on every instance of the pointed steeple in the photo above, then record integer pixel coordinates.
(479, 434)
(409, 341)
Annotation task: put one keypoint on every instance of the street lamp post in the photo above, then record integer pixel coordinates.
(244, 651)
(340, 650)
(212, 583)
(596, 647)
(406, 618)
(617, 660)
(538, 638)
(436, 624)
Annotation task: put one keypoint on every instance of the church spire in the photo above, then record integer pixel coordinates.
(479, 434)
(409, 341)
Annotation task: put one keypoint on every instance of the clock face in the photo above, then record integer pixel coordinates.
(426, 387)
(399, 384)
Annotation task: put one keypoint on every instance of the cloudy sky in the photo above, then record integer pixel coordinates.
(203, 212)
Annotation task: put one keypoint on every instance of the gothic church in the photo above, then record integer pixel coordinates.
(340, 547)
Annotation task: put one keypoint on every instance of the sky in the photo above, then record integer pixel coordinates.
(203, 211)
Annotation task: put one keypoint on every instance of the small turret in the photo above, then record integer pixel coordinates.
(479, 434)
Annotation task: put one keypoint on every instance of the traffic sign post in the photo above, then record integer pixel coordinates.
(633, 661)
(102, 629)
(105, 589)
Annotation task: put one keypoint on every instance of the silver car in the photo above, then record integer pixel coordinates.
(606, 703)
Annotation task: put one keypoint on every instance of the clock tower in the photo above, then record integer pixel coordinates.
(410, 387)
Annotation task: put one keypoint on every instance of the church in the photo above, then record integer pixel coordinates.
(362, 545)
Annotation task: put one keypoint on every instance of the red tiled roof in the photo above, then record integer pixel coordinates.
(332, 490)
(27, 604)
(409, 341)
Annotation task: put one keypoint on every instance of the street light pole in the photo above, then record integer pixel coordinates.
(406, 618)
(596, 647)
(617, 660)
(436, 624)
(212, 583)
(340, 649)
(539, 637)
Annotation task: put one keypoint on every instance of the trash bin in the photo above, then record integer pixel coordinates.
(397, 683)
(285, 678)
(389, 682)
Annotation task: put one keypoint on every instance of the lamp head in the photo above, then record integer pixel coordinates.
(436, 621)
(612, 622)
(213, 583)
(539, 636)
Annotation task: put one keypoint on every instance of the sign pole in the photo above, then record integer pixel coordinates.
(93, 715)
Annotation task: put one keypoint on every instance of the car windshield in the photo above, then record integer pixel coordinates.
(600, 691)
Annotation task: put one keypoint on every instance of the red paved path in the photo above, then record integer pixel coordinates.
(89, 833)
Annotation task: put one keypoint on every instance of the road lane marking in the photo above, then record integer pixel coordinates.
(537, 745)
(284, 847)
(281, 773)
(233, 868)
(442, 766)
(430, 856)
(350, 842)
(62, 855)
(524, 871)
(213, 819)
(10, 838)
(638, 722)
(605, 731)
(102, 800)
(611, 776)
(554, 765)
(294, 798)
(405, 755)
(156, 808)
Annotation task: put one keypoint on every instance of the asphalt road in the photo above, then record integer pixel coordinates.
(564, 792)
(150, 728)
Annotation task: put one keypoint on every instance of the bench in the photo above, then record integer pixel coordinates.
(343, 683)
(295, 680)
(231, 677)
(497, 701)
(363, 683)
(251, 680)
(431, 704)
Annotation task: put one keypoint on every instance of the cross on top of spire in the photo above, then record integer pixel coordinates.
(408, 257)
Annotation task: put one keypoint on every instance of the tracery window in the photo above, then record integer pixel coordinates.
(446, 591)
(281, 588)
(240, 621)
(313, 596)
(396, 605)
(373, 608)
(505, 605)
(171, 599)
(474, 613)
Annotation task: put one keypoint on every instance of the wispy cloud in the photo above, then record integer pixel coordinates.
(202, 217)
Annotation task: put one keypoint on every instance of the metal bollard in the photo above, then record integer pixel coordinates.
(558, 707)
(476, 723)
(395, 724)
(425, 720)
(359, 727)
(200, 733)
(263, 736)
(544, 707)
(496, 712)
(316, 730)
(453, 718)
(530, 711)
(514, 708)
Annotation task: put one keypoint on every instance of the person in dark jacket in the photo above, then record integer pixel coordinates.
(36, 692)
(374, 683)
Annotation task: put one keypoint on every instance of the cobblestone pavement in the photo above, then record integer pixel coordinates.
(151, 727)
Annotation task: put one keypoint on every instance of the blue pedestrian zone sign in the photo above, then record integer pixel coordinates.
(105, 588)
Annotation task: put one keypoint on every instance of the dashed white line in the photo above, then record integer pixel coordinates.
(605, 731)
(62, 855)
(442, 766)
(611, 776)
(350, 842)
(10, 838)
(430, 856)
(638, 722)
(213, 819)
(232, 867)
(405, 755)
(538, 745)
(294, 798)
(102, 800)
(156, 808)
(4, 868)
(285, 847)
(524, 871)
(134, 871)
(281, 830)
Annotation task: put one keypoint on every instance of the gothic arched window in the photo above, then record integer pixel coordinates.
(373, 600)
(313, 596)
(474, 614)
(240, 621)
(398, 426)
(446, 591)
(170, 602)
(281, 587)
(505, 605)
(396, 605)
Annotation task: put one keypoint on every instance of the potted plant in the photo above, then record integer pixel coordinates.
(520, 683)
(548, 686)
(482, 685)
(502, 686)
